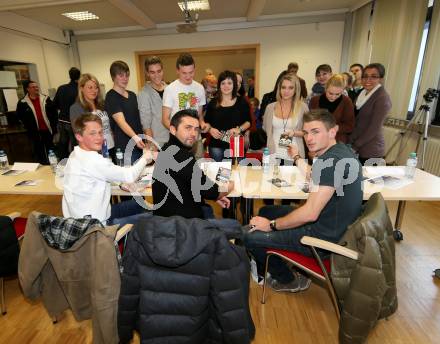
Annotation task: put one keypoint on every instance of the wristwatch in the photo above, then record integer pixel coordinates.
(273, 225)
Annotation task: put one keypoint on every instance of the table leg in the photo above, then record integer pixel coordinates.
(233, 207)
(248, 211)
(398, 236)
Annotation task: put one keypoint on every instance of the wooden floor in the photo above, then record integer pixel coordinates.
(306, 317)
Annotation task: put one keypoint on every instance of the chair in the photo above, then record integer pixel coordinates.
(374, 223)
(19, 225)
(317, 267)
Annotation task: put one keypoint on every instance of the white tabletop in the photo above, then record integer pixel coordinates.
(256, 184)
(48, 184)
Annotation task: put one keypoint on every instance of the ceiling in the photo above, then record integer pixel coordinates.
(153, 14)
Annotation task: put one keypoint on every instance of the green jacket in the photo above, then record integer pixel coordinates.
(366, 288)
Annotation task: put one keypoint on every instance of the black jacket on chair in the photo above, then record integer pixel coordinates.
(184, 282)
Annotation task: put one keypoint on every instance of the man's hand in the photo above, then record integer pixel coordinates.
(292, 150)
(204, 126)
(234, 132)
(259, 223)
(215, 133)
(139, 142)
(224, 202)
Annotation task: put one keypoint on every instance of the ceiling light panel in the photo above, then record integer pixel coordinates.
(195, 5)
(81, 16)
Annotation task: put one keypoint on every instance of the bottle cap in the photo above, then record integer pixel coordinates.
(413, 155)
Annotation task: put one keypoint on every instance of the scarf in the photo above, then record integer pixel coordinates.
(324, 103)
(363, 96)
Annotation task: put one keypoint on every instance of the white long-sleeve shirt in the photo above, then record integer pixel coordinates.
(87, 178)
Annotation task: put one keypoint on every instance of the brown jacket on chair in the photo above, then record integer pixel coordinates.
(84, 278)
(366, 288)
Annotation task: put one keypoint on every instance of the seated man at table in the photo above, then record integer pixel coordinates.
(88, 176)
(179, 185)
(333, 203)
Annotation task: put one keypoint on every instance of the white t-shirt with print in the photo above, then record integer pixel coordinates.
(178, 96)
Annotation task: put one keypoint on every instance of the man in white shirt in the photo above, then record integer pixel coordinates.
(183, 93)
(87, 178)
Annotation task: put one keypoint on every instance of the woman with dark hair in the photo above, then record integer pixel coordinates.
(227, 114)
(372, 106)
(337, 104)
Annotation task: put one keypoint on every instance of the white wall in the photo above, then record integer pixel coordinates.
(24, 40)
(307, 44)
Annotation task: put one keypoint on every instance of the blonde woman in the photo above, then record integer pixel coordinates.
(90, 100)
(338, 104)
(283, 118)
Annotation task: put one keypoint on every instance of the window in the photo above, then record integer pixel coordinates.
(415, 93)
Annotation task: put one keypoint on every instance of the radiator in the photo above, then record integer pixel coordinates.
(432, 157)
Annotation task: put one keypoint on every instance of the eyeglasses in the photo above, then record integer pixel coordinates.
(370, 77)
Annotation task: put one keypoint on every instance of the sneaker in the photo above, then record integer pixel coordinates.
(300, 283)
(291, 287)
(304, 282)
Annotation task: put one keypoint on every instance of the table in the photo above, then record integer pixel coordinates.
(49, 184)
(256, 185)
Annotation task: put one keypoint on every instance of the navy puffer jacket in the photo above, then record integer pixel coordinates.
(184, 282)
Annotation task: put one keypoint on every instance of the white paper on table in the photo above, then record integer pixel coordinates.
(26, 166)
(390, 182)
(11, 98)
(211, 168)
(376, 171)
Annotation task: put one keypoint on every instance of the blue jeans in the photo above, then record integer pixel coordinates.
(216, 153)
(230, 227)
(289, 239)
(126, 212)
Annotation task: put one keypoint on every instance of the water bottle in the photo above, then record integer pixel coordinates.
(266, 160)
(53, 160)
(411, 164)
(4, 164)
(104, 149)
(119, 157)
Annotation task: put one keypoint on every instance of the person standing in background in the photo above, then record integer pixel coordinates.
(185, 93)
(122, 107)
(339, 105)
(322, 74)
(150, 102)
(372, 106)
(293, 68)
(356, 69)
(64, 98)
(39, 116)
(90, 101)
(251, 87)
(283, 119)
(227, 115)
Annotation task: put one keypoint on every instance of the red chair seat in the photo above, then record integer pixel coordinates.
(20, 226)
(308, 262)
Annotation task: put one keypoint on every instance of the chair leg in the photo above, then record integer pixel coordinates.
(266, 267)
(2, 296)
(330, 286)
